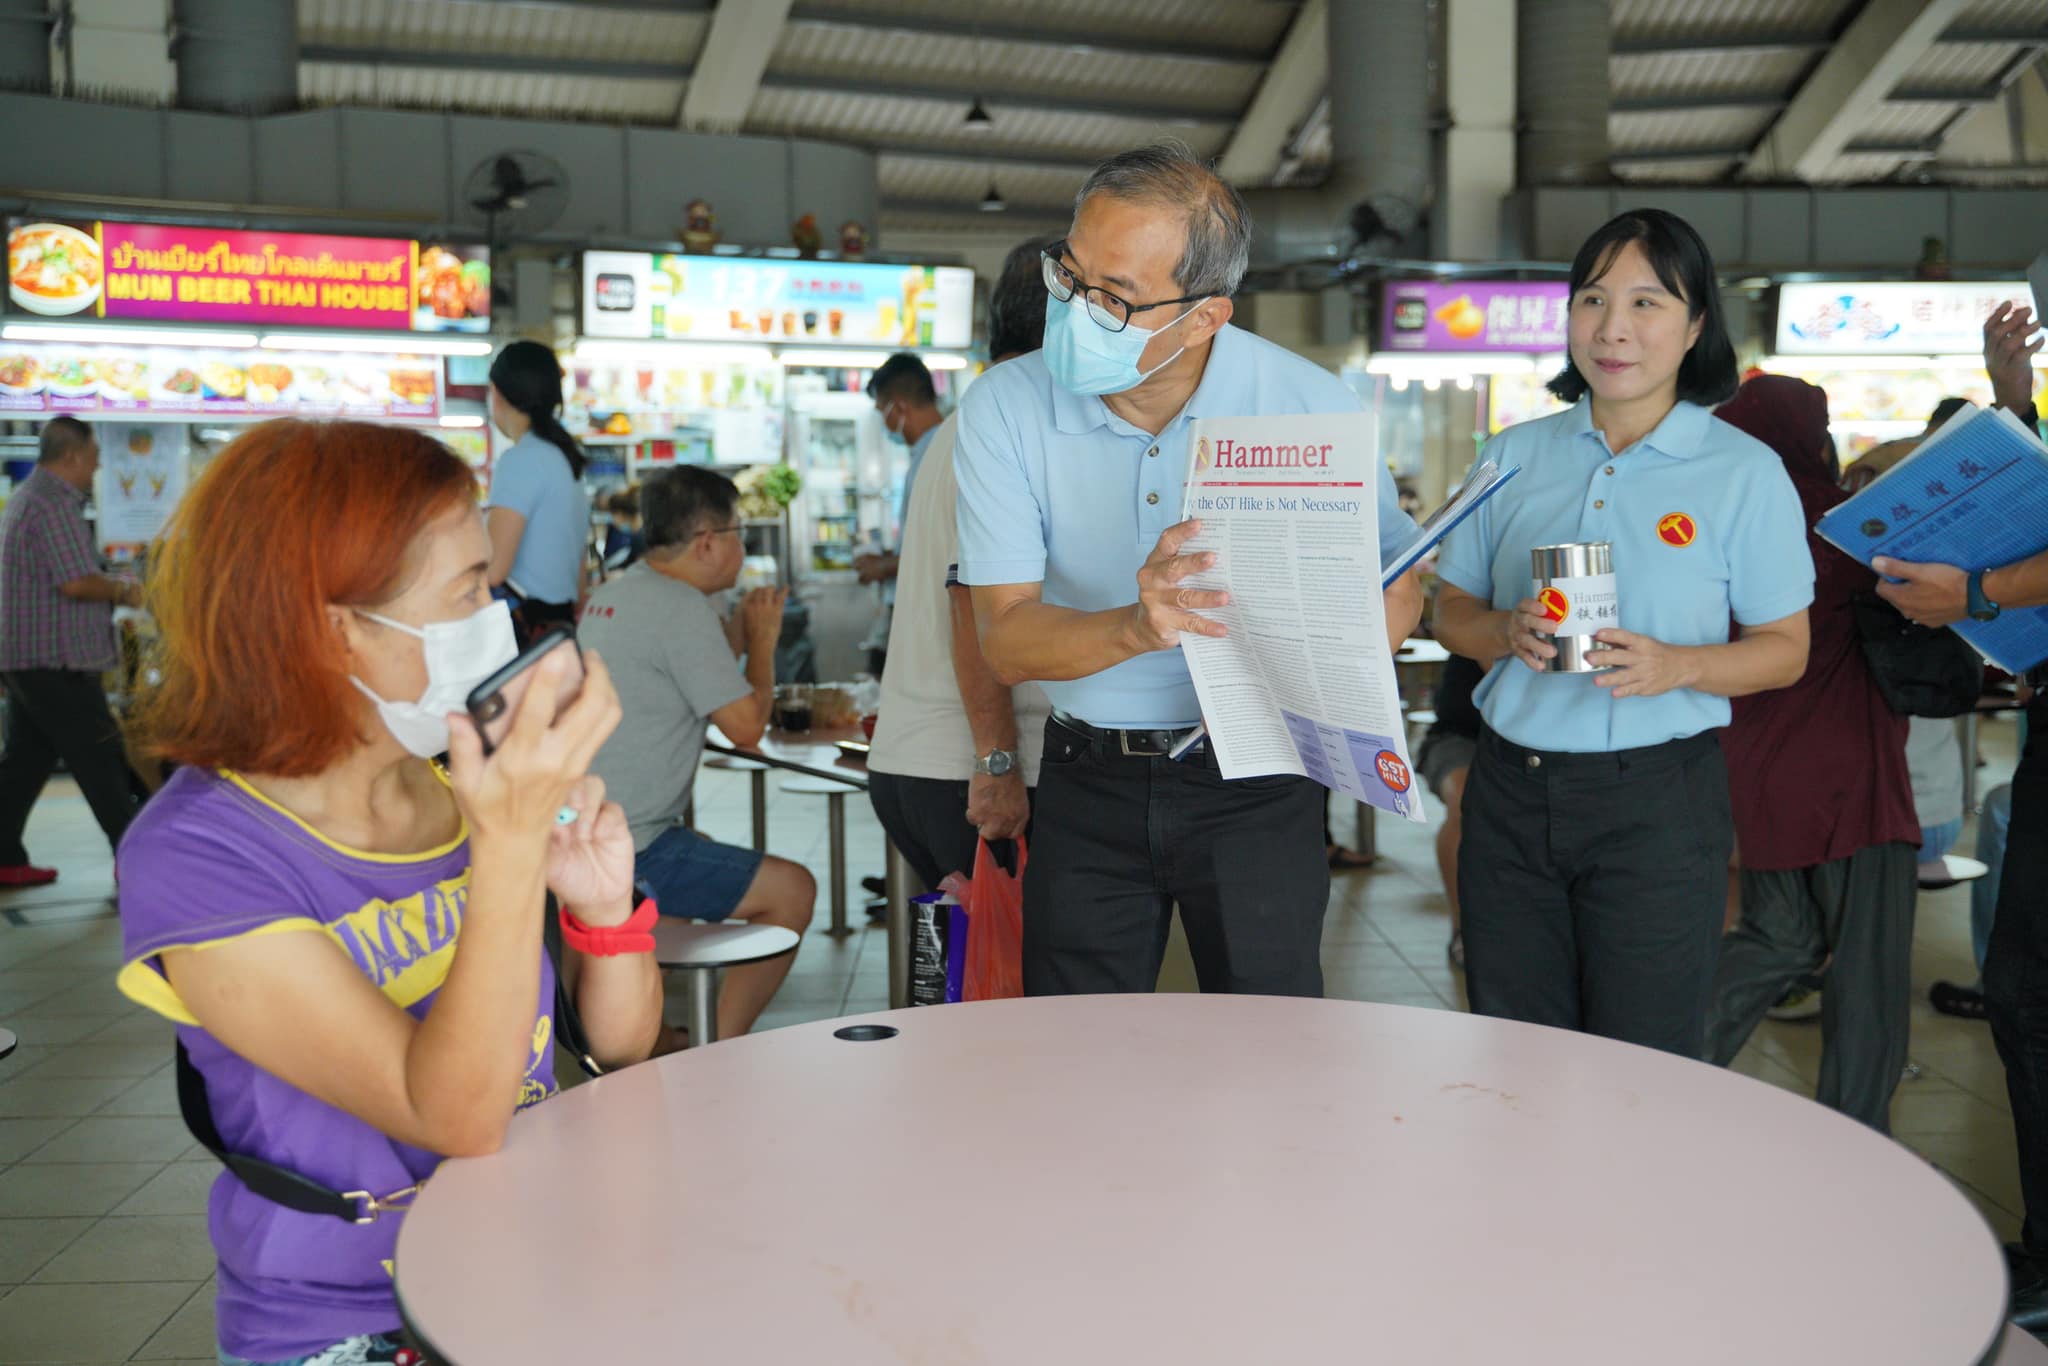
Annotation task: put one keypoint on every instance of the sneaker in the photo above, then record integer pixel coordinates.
(1455, 951)
(26, 875)
(1800, 1002)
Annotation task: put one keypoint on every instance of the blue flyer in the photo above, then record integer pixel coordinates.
(1975, 495)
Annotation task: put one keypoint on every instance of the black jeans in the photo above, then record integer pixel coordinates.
(1121, 840)
(2016, 972)
(53, 714)
(926, 819)
(1858, 908)
(1593, 886)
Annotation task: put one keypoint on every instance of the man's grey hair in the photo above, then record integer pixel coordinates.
(1219, 227)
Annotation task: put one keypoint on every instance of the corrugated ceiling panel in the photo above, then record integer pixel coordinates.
(1948, 64)
(1859, 169)
(1982, 12)
(1676, 172)
(1727, 17)
(1682, 73)
(489, 91)
(1256, 27)
(926, 179)
(475, 26)
(881, 53)
(1904, 122)
(1687, 128)
(881, 120)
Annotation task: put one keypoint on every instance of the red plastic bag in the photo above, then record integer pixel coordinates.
(994, 902)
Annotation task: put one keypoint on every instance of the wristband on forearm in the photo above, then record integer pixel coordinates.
(636, 935)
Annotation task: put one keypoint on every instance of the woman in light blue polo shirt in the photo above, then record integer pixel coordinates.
(539, 517)
(1597, 829)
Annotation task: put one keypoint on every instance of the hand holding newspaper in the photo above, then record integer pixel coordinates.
(1304, 682)
(1973, 495)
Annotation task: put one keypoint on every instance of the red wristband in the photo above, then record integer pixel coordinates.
(609, 941)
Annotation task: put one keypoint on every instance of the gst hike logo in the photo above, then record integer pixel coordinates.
(1677, 528)
(1392, 771)
(1556, 606)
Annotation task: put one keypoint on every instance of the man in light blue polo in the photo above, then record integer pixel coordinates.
(1071, 463)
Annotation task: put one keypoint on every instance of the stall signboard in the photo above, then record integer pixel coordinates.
(1890, 317)
(159, 272)
(1474, 315)
(713, 298)
(197, 383)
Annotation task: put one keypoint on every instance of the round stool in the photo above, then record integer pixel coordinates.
(758, 773)
(834, 794)
(701, 950)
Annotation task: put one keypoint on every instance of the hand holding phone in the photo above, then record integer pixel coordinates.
(493, 702)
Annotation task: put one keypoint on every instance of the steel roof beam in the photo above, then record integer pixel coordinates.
(735, 56)
(1881, 44)
(519, 63)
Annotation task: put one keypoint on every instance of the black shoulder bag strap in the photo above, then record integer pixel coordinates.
(293, 1191)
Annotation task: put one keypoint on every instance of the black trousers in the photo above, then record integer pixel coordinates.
(2016, 972)
(926, 818)
(1860, 909)
(1121, 840)
(1593, 887)
(53, 714)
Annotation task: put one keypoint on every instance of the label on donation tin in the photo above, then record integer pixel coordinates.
(1580, 606)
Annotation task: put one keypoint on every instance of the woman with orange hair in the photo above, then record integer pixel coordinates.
(348, 936)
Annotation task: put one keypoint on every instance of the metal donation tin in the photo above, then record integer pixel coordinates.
(1575, 584)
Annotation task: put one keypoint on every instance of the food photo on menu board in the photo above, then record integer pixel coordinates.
(169, 273)
(36, 378)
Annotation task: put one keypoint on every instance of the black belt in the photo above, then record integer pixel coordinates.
(1613, 762)
(1131, 744)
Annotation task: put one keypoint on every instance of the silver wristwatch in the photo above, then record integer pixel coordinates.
(997, 762)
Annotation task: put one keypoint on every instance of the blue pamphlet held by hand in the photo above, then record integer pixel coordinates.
(1974, 495)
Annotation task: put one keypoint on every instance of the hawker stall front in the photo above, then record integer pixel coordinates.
(1458, 360)
(171, 337)
(757, 366)
(1887, 351)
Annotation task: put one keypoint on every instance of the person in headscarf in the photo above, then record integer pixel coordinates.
(1823, 809)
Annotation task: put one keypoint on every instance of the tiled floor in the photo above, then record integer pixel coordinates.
(103, 1249)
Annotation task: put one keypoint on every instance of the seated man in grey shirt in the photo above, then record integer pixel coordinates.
(676, 667)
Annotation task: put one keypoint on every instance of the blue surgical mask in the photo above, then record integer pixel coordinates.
(1086, 358)
(893, 435)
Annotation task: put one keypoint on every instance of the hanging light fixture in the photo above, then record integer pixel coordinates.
(977, 120)
(992, 202)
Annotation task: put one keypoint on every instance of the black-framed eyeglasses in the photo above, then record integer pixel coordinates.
(722, 530)
(1110, 312)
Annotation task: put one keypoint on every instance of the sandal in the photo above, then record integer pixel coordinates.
(1965, 1003)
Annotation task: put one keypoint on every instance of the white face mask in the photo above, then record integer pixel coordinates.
(460, 655)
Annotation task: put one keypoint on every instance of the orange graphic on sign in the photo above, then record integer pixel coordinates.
(1676, 528)
(1556, 606)
(1393, 772)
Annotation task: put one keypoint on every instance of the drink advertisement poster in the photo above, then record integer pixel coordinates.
(709, 298)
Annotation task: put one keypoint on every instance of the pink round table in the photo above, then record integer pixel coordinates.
(1193, 1179)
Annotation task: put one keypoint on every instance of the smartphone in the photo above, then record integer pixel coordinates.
(493, 702)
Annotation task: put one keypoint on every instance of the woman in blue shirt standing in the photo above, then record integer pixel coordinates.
(1593, 873)
(539, 517)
